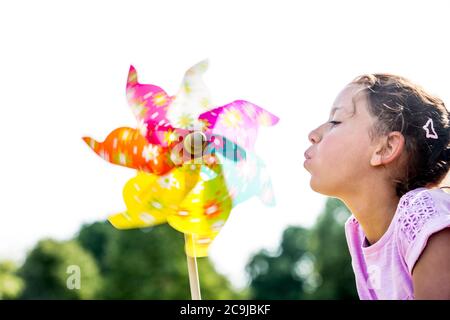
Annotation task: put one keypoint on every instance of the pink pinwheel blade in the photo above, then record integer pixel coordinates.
(238, 121)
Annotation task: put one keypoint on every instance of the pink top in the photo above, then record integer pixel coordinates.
(383, 270)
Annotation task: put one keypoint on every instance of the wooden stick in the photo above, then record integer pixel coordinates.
(193, 274)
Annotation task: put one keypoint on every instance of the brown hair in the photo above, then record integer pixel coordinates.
(400, 105)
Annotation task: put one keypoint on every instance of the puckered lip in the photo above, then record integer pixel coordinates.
(307, 155)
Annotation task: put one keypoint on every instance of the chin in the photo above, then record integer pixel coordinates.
(326, 190)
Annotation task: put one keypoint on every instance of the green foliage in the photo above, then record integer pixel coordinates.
(148, 264)
(96, 238)
(310, 264)
(275, 277)
(11, 285)
(332, 258)
(47, 271)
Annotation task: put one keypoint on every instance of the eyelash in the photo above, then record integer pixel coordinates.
(334, 122)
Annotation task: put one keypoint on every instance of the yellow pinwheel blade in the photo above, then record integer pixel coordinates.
(192, 198)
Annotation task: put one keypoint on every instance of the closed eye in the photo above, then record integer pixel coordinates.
(334, 122)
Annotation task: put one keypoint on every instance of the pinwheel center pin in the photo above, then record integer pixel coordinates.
(194, 143)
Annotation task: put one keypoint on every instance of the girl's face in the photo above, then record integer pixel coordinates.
(339, 158)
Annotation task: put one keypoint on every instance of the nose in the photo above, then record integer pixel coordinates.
(314, 136)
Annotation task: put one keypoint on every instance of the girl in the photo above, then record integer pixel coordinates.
(383, 152)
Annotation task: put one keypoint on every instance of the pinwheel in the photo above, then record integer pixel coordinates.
(194, 161)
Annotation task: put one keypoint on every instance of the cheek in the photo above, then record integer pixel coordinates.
(333, 146)
(342, 151)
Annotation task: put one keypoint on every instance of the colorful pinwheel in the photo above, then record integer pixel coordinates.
(194, 162)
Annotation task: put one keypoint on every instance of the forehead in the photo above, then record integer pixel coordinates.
(351, 100)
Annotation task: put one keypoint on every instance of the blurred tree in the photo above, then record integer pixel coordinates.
(310, 264)
(276, 276)
(332, 262)
(149, 264)
(10, 283)
(96, 238)
(59, 270)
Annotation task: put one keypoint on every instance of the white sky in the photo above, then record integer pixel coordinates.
(63, 70)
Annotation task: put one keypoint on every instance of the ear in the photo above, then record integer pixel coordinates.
(132, 77)
(388, 149)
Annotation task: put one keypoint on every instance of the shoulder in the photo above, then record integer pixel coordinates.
(421, 213)
(431, 273)
(419, 207)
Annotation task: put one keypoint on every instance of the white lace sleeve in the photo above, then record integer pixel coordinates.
(423, 213)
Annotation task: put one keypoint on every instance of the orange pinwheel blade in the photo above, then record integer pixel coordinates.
(129, 148)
